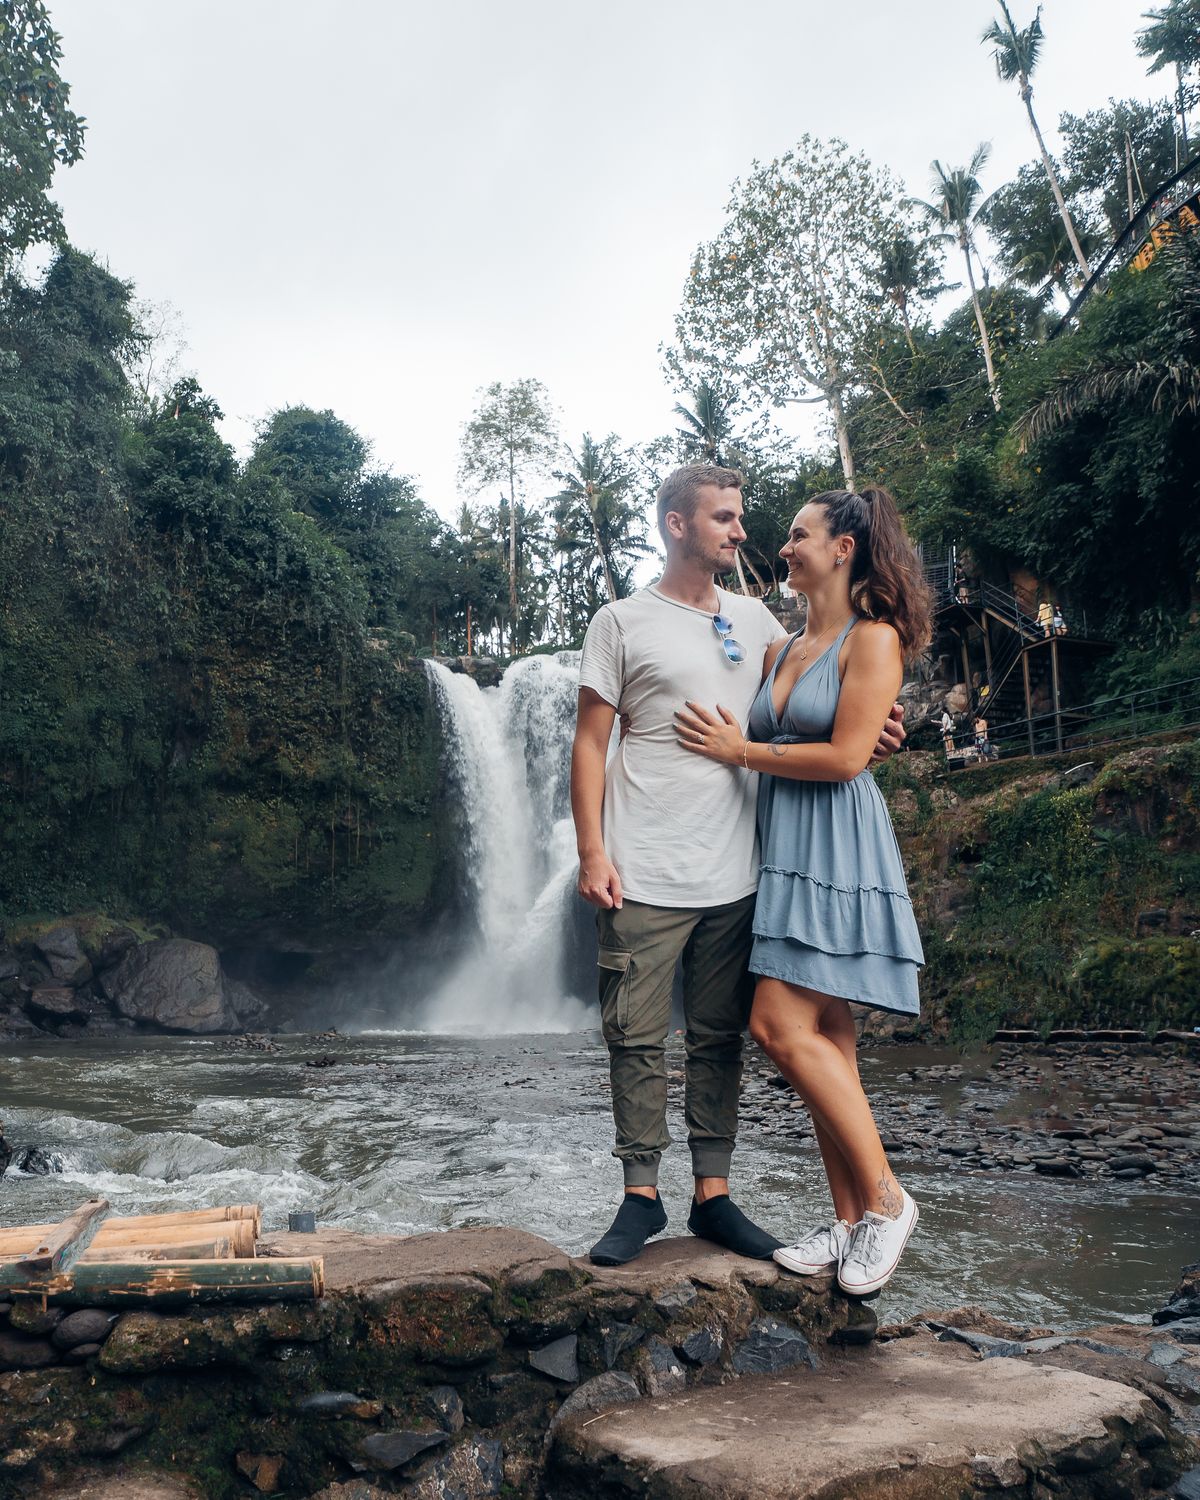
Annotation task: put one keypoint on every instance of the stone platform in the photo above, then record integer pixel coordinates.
(486, 1363)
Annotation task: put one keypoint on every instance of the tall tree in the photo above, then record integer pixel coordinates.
(1118, 156)
(708, 424)
(910, 270)
(1172, 40)
(959, 208)
(599, 484)
(780, 302)
(511, 436)
(1030, 237)
(38, 130)
(1016, 53)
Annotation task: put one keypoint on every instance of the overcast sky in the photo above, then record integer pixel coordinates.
(379, 207)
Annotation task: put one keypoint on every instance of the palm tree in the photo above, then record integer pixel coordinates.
(1016, 53)
(709, 424)
(598, 484)
(1173, 41)
(910, 270)
(958, 210)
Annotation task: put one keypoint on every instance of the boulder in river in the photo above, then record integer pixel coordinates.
(174, 984)
(63, 951)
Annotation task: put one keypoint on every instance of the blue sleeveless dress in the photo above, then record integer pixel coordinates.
(833, 911)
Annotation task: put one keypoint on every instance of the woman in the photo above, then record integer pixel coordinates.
(833, 921)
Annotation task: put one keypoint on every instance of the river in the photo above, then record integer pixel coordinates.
(407, 1133)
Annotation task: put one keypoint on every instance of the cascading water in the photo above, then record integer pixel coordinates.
(510, 751)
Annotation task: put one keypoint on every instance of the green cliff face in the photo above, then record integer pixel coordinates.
(1049, 898)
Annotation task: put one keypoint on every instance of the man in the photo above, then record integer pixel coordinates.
(947, 733)
(668, 855)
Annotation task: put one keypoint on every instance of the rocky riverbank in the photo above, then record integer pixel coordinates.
(1069, 1110)
(485, 1363)
(96, 977)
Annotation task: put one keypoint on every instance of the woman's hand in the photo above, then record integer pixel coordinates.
(705, 734)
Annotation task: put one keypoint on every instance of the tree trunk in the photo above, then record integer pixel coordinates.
(903, 306)
(982, 326)
(512, 553)
(600, 553)
(845, 453)
(1068, 222)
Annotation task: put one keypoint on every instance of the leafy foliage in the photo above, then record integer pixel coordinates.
(38, 129)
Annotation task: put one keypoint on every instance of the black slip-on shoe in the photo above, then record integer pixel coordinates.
(723, 1222)
(637, 1219)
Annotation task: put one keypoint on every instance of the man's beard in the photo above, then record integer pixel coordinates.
(711, 562)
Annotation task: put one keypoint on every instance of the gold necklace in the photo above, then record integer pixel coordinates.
(803, 648)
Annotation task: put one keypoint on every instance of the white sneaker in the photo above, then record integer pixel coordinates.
(818, 1250)
(874, 1248)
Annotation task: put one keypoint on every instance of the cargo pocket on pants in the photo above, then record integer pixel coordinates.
(615, 972)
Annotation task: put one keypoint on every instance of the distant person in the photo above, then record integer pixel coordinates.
(668, 855)
(1060, 625)
(947, 726)
(961, 592)
(983, 746)
(1045, 615)
(833, 922)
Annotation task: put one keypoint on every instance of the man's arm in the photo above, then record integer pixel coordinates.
(599, 882)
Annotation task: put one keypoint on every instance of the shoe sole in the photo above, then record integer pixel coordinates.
(803, 1267)
(870, 1288)
(612, 1260)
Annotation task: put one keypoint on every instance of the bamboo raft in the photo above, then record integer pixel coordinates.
(196, 1255)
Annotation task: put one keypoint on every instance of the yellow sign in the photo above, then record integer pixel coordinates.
(1187, 216)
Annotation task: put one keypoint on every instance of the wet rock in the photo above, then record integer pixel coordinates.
(90, 1325)
(174, 984)
(446, 1405)
(110, 946)
(39, 1162)
(17, 1352)
(619, 1337)
(1187, 1486)
(473, 1470)
(338, 1404)
(29, 1316)
(985, 1344)
(1185, 1330)
(390, 1450)
(771, 1346)
(261, 1469)
(614, 1388)
(702, 1346)
(5, 1152)
(675, 1299)
(1056, 1166)
(63, 952)
(559, 1360)
(56, 1002)
(663, 1370)
(79, 1354)
(1137, 1164)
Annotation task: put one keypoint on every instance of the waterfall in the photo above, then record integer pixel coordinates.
(509, 750)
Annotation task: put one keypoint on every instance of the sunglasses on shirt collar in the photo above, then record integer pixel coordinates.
(734, 650)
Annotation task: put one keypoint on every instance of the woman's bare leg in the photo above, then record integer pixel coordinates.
(789, 1024)
(838, 1025)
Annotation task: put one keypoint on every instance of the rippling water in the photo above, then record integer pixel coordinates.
(410, 1133)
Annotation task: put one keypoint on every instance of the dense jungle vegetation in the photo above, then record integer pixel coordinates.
(211, 705)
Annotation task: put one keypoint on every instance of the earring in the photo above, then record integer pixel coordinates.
(838, 561)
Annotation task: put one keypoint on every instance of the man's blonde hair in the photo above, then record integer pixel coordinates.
(680, 491)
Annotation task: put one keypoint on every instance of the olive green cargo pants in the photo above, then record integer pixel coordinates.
(639, 948)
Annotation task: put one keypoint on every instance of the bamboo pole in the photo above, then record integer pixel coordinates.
(172, 1282)
(116, 1232)
(63, 1243)
(220, 1248)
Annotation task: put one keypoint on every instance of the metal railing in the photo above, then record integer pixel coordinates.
(1148, 711)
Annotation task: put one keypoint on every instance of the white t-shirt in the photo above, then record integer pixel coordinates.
(679, 828)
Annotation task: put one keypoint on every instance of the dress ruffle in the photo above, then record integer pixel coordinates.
(840, 919)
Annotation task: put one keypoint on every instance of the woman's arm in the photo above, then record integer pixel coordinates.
(772, 652)
(874, 672)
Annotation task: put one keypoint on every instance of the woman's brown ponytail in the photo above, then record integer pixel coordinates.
(886, 578)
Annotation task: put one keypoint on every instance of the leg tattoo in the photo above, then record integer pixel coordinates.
(889, 1195)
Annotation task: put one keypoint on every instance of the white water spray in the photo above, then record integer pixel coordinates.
(509, 754)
